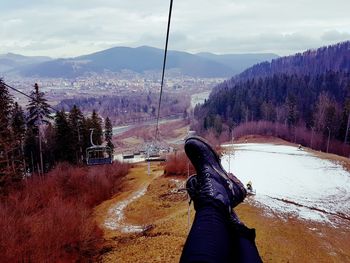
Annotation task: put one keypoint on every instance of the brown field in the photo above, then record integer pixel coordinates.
(169, 132)
(280, 237)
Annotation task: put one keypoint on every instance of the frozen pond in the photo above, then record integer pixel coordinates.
(290, 180)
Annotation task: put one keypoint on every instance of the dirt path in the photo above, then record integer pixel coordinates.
(138, 219)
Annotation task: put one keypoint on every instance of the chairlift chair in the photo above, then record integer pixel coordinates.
(98, 154)
(155, 152)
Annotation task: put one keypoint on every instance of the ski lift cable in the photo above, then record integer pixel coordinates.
(26, 95)
(163, 71)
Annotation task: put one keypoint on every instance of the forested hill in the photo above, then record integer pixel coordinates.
(310, 90)
(139, 60)
(312, 62)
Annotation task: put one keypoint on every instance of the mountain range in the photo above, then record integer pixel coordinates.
(138, 59)
(11, 61)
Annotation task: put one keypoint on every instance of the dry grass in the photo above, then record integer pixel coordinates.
(157, 208)
(280, 238)
(49, 219)
(283, 238)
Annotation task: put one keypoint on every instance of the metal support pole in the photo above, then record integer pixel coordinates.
(329, 136)
(189, 208)
(41, 154)
(347, 130)
(32, 158)
(36, 86)
(229, 161)
(148, 164)
(80, 148)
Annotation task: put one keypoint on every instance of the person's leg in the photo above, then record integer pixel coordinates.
(243, 239)
(217, 235)
(214, 238)
(247, 251)
(209, 239)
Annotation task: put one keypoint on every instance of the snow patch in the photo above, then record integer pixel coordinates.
(116, 215)
(287, 173)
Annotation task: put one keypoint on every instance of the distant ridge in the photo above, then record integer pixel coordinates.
(329, 58)
(239, 62)
(12, 61)
(143, 59)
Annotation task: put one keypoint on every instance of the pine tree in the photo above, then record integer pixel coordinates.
(292, 112)
(63, 138)
(18, 122)
(109, 133)
(95, 123)
(49, 146)
(7, 169)
(31, 149)
(77, 122)
(18, 129)
(38, 109)
(38, 114)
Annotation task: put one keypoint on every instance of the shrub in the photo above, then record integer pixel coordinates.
(299, 135)
(178, 164)
(50, 218)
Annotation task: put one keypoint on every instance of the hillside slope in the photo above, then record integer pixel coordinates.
(310, 90)
(312, 62)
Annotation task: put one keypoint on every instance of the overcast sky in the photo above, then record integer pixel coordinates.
(64, 28)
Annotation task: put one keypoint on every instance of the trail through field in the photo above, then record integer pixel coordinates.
(147, 216)
(116, 217)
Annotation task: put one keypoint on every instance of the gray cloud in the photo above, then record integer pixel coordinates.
(69, 28)
(334, 35)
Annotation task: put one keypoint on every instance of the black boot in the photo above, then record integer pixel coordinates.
(214, 182)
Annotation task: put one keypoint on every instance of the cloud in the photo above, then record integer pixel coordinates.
(334, 35)
(69, 28)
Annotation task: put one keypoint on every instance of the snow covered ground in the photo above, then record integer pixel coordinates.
(305, 182)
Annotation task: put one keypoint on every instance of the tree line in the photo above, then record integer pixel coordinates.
(33, 141)
(309, 90)
(312, 62)
(123, 108)
(320, 103)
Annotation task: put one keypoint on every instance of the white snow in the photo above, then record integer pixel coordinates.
(284, 172)
(115, 221)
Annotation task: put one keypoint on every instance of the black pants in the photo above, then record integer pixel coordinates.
(213, 240)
